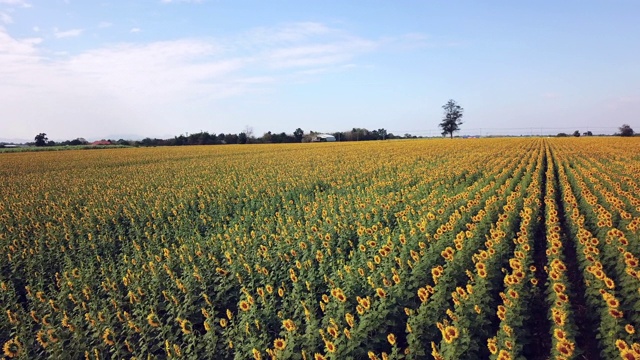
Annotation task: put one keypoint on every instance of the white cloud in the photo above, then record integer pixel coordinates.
(67, 33)
(36, 29)
(15, 2)
(287, 33)
(135, 30)
(104, 24)
(141, 87)
(318, 54)
(5, 18)
(302, 45)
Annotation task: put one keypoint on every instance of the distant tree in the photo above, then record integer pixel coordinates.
(452, 118)
(562, 134)
(588, 133)
(298, 134)
(626, 130)
(41, 139)
(576, 133)
(231, 138)
(242, 138)
(381, 134)
(248, 131)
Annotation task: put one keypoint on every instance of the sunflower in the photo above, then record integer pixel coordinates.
(381, 293)
(616, 313)
(559, 334)
(391, 339)
(289, 325)
(504, 355)
(107, 337)
(609, 283)
(279, 344)
(185, 325)
(244, 305)
(629, 329)
(423, 294)
(331, 347)
(629, 354)
(366, 304)
(559, 287)
(152, 320)
(349, 317)
(559, 317)
(565, 348)
(491, 345)
(41, 338)
(621, 345)
(12, 348)
(450, 333)
(51, 335)
(256, 354)
(317, 356)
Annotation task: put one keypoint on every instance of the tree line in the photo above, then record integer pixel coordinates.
(245, 137)
(450, 123)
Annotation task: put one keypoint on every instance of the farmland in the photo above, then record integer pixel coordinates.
(446, 249)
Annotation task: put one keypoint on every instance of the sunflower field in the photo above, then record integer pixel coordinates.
(513, 248)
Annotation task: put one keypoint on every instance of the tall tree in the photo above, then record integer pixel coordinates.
(298, 134)
(41, 139)
(626, 130)
(452, 118)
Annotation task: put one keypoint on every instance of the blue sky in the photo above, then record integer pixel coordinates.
(157, 68)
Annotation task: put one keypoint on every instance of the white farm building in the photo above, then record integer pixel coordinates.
(323, 138)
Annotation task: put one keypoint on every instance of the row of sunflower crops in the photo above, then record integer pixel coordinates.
(480, 248)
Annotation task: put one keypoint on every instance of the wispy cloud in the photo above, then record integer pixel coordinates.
(135, 30)
(21, 3)
(104, 24)
(67, 33)
(133, 85)
(5, 18)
